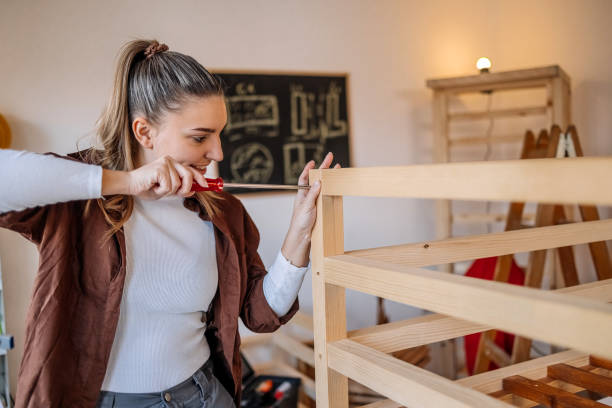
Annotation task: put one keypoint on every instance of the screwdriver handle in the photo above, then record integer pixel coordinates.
(214, 184)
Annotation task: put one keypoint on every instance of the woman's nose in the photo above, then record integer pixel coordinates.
(215, 152)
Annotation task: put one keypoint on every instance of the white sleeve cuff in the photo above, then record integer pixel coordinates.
(282, 284)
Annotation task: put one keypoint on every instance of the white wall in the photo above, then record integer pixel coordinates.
(57, 58)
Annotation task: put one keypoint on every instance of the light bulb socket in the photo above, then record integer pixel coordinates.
(484, 70)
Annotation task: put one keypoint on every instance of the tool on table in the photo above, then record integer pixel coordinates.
(217, 185)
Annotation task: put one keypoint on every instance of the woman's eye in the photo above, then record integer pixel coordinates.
(199, 139)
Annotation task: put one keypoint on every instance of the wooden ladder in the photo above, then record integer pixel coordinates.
(559, 145)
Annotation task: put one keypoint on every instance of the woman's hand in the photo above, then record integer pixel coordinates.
(296, 246)
(162, 177)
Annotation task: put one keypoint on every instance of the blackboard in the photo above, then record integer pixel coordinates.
(279, 122)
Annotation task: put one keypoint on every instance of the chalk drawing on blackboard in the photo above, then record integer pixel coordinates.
(294, 159)
(252, 110)
(316, 116)
(251, 163)
(336, 127)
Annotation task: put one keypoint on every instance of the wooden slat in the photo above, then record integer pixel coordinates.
(560, 319)
(479, 140)
(546, 395)
(507, 180)
(466, 218)
(383, 404)
(302, 320)
(294, 347)
(499, 113)
(401, 381)
(433, 328)
(329, 311)
(491, 381)
(581, 378)
(414, 332)
(487, 245)
(494, 78)
(600, 362)
(255, 340)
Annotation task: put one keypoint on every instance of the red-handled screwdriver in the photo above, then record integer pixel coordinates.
(217, 185)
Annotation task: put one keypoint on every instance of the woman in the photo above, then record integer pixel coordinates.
(141, 281)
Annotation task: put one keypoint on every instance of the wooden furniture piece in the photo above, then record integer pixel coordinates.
(557, 144)
(578, 317)
(554, 110)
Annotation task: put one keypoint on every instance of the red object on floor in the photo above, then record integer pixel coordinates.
(484, 269)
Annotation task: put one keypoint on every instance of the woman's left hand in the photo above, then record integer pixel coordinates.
(296, 247)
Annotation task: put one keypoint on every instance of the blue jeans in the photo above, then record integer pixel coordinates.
(201, 390)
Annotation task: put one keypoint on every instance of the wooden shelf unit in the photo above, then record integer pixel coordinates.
(578, 317)
(556, 109)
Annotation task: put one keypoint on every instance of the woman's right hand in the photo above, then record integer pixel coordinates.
(160, 178)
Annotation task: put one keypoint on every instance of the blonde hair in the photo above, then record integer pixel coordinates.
(149, 81)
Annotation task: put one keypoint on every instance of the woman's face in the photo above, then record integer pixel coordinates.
(190, 135)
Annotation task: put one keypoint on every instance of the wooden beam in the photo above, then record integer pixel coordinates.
(582, 378)
(329, 311)
(383, 404)
(479, 140)
(467, 218)
(433, 328)
(500, 113)
(401, 381)
(600, 362)
(414, 332)
(493, 78)
(506, 180)
(491, 381)
(557, 318)
(487, 245)
(294, 347)
(547, 395)
(302, 320)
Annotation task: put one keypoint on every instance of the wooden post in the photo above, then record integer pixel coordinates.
(329, 304)
(440, 149)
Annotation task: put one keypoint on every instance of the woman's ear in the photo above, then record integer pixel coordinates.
(143, 131)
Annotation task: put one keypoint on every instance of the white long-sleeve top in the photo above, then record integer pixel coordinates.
(171, 272)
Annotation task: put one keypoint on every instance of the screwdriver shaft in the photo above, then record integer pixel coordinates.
(267, 186)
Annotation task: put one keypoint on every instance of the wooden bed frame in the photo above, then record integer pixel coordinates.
(577, 318)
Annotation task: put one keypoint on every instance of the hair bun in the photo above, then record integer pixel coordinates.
(154, 48)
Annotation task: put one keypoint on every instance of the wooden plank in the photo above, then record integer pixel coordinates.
(546, 395)
(566, 255)
(383, 404)
(414, 332)
(302, 320)
(467, 218)
(478, 140)
(493, 78)
(506, 180)
(442, 208)
(499, 113)
(401, 381)
(329, 310)
(599, 250)
(433, 328)
(491, 381)
(294, 347)
(582, 378)
(255, 340)
(486, 245)
(600, 362)
(553, 317)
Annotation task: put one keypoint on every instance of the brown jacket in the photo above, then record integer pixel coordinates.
(74, 310)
